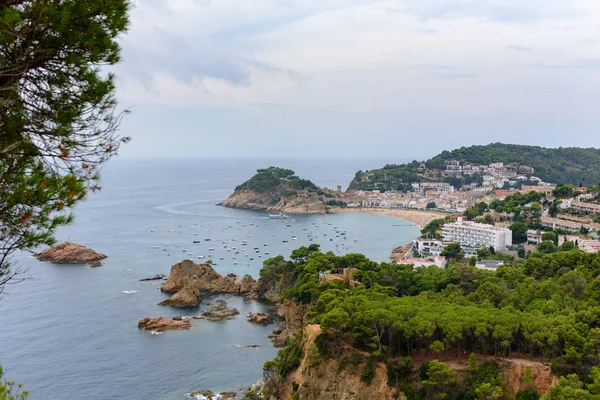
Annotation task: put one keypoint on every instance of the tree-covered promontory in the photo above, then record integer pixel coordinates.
(545, 309)
(279, 189)
(275, 178)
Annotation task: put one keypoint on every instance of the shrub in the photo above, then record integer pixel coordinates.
(368, 372)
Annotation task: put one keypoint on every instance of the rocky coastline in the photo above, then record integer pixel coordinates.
(189, 282)
(273, 202)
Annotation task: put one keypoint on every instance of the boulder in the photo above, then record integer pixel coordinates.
(260, 318)
(70, 253)
(161, 324)
(218, 311)
(186, 297)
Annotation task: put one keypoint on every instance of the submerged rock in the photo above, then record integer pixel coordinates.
(161, 324)
(218, 311)
(156, 277)
(260, 318)
(71, 253)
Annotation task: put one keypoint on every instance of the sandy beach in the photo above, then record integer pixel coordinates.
(419, 218)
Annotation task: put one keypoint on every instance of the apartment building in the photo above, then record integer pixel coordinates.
(473, 235)
(567, 226)
(587, 208)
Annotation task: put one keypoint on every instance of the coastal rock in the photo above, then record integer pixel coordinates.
(189, 281)
(218, 311)
(274, 202)
(208, 395)
(161, 324)
(260, 318)
(186, 297)
(247, 284)
(71, 253)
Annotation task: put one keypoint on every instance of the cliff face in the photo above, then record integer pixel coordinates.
(542, 377)
(326, 381)
(272, 201)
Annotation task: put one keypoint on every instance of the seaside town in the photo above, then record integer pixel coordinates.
(475, 217)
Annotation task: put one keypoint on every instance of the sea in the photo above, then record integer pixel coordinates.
(70, 331)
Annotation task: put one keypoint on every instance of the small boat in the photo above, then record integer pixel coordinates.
(200, 257)
(285, 241)
(277, 216)
(197, 241)
(235, 263)
(155, 247)
(211, 248)
(207, 240)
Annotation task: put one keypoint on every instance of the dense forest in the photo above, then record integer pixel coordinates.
(546, 307)
(277, 179)
(563, 165)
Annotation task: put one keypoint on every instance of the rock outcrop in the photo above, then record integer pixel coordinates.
(260, 318)
(71, 253)
(161, 324)
(542, 378)
(274, 202)
(189, 281)
(218, 311)
(326, 381)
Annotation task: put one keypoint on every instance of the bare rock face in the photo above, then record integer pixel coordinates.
(273, 201)
(260, 318)
(218, 311)
(190, 281)
(161, 324)
(71, 253)
(247, 284)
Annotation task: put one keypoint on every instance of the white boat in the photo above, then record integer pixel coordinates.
(277, 216)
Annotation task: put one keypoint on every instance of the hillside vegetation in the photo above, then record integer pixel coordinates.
(545, 308)
(563, 165)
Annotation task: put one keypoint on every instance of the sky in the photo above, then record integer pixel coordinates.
(357, 78)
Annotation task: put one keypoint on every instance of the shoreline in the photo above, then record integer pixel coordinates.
(417, 217)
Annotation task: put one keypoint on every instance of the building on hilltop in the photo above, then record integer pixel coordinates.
(475, 236)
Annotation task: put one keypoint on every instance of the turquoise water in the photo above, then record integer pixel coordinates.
(70, 331)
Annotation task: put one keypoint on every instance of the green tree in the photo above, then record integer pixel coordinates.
(10, 390)
(568, 388)
(551, 236)
(519, 232)
(563, 191)
(453, 251)
(58, 118)
(441, 379)
(431, 205)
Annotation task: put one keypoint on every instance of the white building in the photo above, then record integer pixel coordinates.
(473, 235)
(435, 186)
(427, 247)
(534, 237)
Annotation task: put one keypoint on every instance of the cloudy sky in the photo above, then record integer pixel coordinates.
(355, 78)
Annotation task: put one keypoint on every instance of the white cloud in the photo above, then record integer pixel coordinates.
(366, 55)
